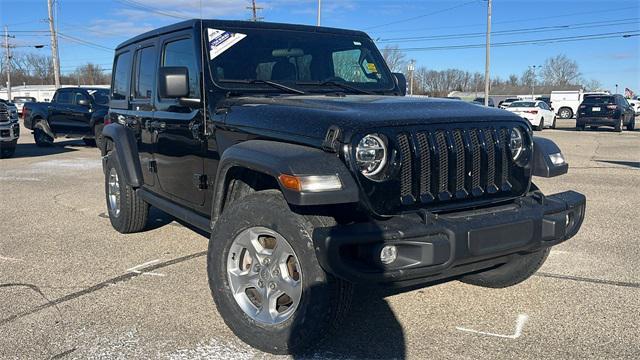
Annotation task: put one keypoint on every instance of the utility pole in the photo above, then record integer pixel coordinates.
(319, 12)
(488, 56)
(412, 69)
(254, 11)
(54, 45)
(6, 45)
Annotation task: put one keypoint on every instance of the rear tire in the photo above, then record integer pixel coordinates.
(514, 272)
(632, 124)
(322, 300)
(128, 213)
(553, 124)
(41, 138)
(98, 137)
(618, 127)
(565, 113)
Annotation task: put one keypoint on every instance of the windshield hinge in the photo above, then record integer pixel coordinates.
(331, 141)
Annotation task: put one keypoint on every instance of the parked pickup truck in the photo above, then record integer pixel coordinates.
(296, 149)
(73, 112)
(9, 130)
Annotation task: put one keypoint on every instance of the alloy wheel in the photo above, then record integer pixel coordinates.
(264, 275)
(114, 192)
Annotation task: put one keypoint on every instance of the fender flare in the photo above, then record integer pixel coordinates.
(275, 158)
(126, 151)
(542, 165)
(44, 126)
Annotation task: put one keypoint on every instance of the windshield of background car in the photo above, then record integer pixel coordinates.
(21, 100)
(101, 97)
(605, 100)
(298, 59)
(522, 104)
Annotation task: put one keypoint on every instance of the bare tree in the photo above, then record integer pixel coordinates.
(396, 59)
(592, 85)
(560, 71)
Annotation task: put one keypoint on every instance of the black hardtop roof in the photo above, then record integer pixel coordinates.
(230, 24)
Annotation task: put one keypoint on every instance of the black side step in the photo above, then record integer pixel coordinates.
(182, 213)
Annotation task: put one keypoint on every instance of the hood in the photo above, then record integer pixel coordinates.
(311, 116)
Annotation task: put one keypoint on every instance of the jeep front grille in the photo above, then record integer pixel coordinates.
(440, 168)
(455, 157)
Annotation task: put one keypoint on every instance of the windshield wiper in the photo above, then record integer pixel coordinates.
(267, 82)
(336, 83)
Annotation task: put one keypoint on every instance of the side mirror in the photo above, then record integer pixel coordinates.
(173, 82)
(401, 82)
(84, 102)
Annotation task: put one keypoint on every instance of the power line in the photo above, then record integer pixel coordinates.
(628, 21)
(84, 42)
(139, 6)
(528, 19)
(618, 34)
(421, 16)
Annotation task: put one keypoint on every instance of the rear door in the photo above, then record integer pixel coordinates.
(180, 148)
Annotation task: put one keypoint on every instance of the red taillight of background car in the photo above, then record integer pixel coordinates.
(25, 112)
(107, 119)
(612, 107)
(531, 111)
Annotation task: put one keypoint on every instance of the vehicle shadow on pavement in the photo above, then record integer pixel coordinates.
(369, 331)
(32, 150)
(631, 164)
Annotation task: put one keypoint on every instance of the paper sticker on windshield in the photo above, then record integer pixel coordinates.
(372, 67)
(221, 41)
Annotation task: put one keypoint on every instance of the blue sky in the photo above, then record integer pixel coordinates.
(611, 61)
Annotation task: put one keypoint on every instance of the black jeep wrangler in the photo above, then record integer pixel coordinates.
(295, 147)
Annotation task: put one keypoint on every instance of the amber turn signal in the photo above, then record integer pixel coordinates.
(290, 182)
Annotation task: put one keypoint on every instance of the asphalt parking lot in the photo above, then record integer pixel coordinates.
(72, 287)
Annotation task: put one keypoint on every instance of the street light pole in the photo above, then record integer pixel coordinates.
(411, 68)
(6, 45)
(533, 83)
(319, 12)
(616, 88)
(488, 56)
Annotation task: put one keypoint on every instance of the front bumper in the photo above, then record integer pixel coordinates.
(9, 131)
(432, 247)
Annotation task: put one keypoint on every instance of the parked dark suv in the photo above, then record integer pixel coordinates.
(606, 110)
(294, 147)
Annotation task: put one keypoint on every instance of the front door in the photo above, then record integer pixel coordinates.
(180, 148)
(60, 112)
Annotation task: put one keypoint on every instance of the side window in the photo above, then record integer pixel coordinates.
(64, 97)
(182, 53)
(121, 76)
(145, 70)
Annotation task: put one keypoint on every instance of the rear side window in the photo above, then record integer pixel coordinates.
(604, 100)
(181, 53)
(145, 71)
(122, 76)
(64, 97)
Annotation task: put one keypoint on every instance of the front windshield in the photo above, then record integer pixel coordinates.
(522, 104)
(243, 58)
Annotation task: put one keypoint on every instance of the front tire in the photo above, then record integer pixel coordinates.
(275, 305)
(128, 213)
(517, 270)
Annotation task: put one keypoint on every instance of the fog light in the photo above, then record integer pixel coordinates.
(388, 254)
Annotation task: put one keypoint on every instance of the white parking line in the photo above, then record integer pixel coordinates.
(522, 319)
(136, 269)
(10, 259)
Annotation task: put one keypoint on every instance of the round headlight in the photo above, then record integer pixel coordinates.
(516, 144)
(371, 155)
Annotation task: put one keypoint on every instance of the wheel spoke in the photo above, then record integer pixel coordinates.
(240, 281)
